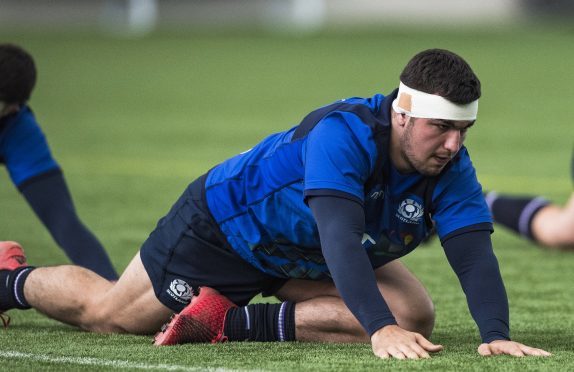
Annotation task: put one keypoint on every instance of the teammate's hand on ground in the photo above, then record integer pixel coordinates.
(393, 341)
(503, 347)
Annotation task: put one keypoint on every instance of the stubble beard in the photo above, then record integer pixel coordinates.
(408, 154)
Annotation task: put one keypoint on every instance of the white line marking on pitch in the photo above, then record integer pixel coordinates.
(104, 362)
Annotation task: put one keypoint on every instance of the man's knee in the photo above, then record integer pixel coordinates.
(407, 298)
(419, 317)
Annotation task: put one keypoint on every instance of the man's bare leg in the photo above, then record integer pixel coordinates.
(321, 315)
(80, 297)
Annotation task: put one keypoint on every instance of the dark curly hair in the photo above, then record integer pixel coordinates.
(438, 71)
(17, 74)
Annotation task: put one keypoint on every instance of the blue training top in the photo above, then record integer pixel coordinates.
(258, 197)
(23, 147)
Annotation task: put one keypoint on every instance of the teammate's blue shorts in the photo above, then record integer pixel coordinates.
(187, 251)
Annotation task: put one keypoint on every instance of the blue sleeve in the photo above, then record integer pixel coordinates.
(458, 200)
(25, 149)
(348, 263)
(339, 154)
(49, 197)
(469, 252)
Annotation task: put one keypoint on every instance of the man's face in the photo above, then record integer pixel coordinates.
(427, 145)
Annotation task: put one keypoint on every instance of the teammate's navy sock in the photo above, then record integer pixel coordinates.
(12, 288)
(515, 213)
(261, 322)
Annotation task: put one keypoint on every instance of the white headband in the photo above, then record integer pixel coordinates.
(431, 106)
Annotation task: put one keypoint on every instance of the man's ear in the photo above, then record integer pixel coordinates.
(400, 119)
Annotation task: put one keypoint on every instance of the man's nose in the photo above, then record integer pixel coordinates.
(453, 140)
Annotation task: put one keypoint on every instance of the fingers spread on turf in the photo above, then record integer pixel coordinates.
(401, 344)
(515, 351)
(510, 348)
(426, 344)
(527, 350)
(398, 354)
(484, 350)
(419, 351)
(383, 355)
(422, 353)
(408, 351)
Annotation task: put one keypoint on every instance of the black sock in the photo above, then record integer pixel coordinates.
(515, 213)
(12, 288)
(237, 324)
(261, 322)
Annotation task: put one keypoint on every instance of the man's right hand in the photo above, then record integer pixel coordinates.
(393, 341)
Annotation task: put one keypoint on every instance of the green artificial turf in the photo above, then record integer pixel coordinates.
(132, 122)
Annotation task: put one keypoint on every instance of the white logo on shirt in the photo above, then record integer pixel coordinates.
(410, 211)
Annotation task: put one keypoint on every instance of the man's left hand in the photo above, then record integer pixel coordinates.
(503, 347)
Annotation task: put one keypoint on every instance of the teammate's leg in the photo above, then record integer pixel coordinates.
(515, 212)
(553, 226)
(535, 218)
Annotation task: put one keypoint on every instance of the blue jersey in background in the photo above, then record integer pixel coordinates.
(23, 147)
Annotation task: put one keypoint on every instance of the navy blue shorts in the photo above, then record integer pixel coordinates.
(187, 251)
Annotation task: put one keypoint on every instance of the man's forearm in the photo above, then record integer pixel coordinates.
(472, 258)
(348, 262)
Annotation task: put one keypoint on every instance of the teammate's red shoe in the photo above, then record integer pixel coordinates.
(200, 321)
(11, 256)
